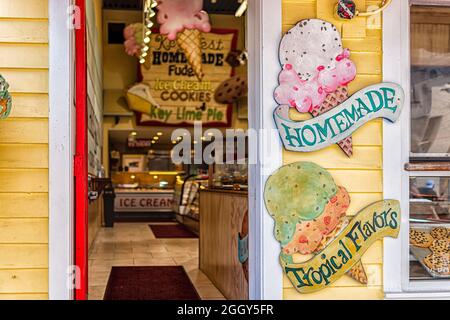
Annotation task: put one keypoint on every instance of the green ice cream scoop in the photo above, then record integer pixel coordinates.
(295, 193)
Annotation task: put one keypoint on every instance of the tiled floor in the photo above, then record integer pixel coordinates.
(133, 244)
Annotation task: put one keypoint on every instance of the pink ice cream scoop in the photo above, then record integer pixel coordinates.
(341, 75)
(175, 16)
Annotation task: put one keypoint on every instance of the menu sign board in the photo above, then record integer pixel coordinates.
(143, 202)
(171, 94)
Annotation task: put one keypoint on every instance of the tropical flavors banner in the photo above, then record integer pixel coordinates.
(171, 91)
(320, 240)
(379, 220)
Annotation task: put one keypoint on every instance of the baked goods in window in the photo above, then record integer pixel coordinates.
(420, 239)
(440, 246)
(438, 263)
(439, 233)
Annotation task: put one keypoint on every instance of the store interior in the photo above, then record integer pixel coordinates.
(159, 229)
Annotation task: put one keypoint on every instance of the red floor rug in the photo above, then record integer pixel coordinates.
(150, 283)
(176, 231)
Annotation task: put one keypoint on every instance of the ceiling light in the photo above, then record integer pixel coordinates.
(134, 133)
(243, 7)
(159, 134)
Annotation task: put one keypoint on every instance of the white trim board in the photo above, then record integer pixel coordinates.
(61, 140)
(264, 29)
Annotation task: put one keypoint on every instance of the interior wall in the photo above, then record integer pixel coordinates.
(362, 174)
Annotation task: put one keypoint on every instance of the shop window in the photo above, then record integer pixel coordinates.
(429, 175)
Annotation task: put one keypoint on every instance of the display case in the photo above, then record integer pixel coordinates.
(229, 176)
(149, 192)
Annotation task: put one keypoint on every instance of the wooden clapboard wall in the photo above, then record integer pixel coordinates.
(24, 151)
(362, 174)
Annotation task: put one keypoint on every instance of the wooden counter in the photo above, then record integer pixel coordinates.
(223, 221)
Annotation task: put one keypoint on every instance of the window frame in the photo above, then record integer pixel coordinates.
(396, 154)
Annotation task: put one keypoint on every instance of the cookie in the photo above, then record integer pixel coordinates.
(438, 263)
(420, 239)
(440, 246)
(231, 90)
(439, 233)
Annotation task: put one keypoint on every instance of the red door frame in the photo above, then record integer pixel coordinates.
(81, 151)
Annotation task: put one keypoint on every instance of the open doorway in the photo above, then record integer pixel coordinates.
(159, 226)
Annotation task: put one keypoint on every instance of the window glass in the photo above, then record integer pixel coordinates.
(430, 81)
(429, 228)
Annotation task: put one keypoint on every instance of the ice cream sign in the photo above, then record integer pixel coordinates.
(314, 78)
(319, 243)
(186, 63)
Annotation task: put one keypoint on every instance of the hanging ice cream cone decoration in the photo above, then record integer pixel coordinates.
(184, 21)
(332, 100)
(190, 42)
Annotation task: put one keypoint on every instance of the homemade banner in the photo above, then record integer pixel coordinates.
(170, 92)
(383, 100)
(316, 72)
(311, 224)
(5, 99)
(379, 220)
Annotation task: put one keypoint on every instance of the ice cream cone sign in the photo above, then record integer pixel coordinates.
(316, 72)
(319, 242)
(184, 21)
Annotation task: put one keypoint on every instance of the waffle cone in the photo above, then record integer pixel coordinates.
(331, 101)
(190, 42)
(358, 272)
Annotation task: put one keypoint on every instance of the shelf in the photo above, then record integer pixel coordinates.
(428, 166)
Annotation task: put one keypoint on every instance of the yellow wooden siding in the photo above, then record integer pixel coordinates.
(24, 62)
(362, 174)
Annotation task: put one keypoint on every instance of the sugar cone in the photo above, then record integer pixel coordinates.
(333, 100)
(190, 42)
(358, 273)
